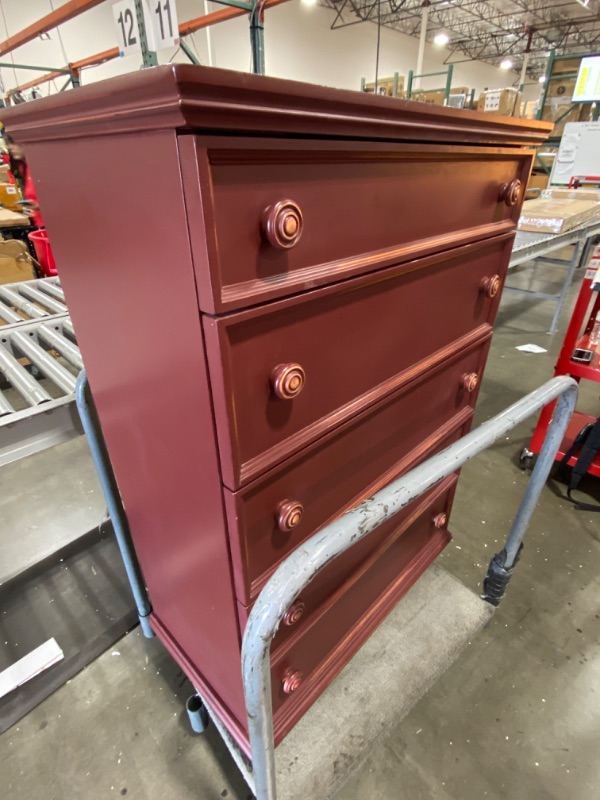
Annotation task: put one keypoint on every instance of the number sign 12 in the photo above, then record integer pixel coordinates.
(128, 33)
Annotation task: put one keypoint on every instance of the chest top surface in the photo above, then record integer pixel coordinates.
(185, 97)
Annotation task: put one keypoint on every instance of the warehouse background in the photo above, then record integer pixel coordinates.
(300, 45)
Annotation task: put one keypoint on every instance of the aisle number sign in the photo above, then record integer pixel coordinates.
(160, 22)
(587, 87)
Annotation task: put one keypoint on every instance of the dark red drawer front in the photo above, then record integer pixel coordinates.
(281, 218)
(320, 648)
(350, 345)
(346, 466)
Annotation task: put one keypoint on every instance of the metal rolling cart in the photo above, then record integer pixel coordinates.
(538, 246)
(299, 569)
(578, 335)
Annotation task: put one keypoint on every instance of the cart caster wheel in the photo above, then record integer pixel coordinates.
(526, 458)
(197, 714)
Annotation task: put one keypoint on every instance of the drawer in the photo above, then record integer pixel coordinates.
(273, 515)
(277, 218)
(324, 643)
(285, 374)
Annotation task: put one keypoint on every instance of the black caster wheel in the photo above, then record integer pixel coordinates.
(526, 458)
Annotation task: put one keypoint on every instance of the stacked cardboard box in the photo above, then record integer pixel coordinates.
(385, 86)
(505, 102)
(438, 97)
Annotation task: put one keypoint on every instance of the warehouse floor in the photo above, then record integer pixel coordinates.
(517, 716)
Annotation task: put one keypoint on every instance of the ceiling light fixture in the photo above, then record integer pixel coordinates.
(542, 79)
(309, 2)
(506, 64)
(441, 39)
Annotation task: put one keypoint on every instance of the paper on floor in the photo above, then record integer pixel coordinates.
(29, 666)
(531, 348)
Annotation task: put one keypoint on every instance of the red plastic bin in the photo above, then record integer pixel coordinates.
(43, 251)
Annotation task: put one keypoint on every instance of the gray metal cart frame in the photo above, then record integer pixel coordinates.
(299, 569)
(537, 246)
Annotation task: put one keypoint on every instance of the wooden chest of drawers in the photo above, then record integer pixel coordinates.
(289, 303)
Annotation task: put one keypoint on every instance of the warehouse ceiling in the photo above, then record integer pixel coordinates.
(487, 30)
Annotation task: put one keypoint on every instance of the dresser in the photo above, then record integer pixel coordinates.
(284, 297)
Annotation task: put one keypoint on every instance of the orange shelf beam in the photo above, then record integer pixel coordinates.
(63, 14)
(184, 30)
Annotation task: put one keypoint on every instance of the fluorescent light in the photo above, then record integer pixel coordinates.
(309, 2)
(441, 39)
(506, 64)
(542, 79)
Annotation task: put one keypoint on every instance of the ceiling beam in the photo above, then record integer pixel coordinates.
(63, 14)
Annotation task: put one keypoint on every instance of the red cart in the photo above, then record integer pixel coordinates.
(580, 335)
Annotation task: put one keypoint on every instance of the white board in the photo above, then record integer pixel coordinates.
(578, 154)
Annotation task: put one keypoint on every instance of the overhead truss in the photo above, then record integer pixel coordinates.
(486, 30)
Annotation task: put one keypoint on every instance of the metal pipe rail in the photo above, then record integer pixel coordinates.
(299, 569)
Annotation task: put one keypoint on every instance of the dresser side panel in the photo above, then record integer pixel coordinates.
(117, 225)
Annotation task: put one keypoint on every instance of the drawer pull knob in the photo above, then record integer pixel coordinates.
(491, 286)
(470, 381)
(294, 612)
(291, 680)
(282, 224)
(440, 520)
(288, 380)
(289, 515)
(511, 192)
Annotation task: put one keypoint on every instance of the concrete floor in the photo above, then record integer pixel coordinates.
(515, 717)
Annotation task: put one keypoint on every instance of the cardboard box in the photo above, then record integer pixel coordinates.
(438, 98)
(565, 66)
(529, 109)
(9, 196)
(504, 102)
(15, 262)
(561, 88)
(385, 86)
(554, 109)
(538, 181)
(550, 214)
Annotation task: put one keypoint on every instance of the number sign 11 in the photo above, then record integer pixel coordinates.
(161, 23)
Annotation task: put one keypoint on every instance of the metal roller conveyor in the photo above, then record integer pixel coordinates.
(46, 364)
(39, 363)
(28, 300)
(42, 299)
(18, 378)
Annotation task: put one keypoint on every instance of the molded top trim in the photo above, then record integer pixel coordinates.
(204, 99)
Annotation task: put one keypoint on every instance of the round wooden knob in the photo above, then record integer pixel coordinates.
(491, 286)
(440, 520)
(288, 380)
(294, 612)
(282, 224)
(291, 680)
(469, 381)
(289, 515)
(511, 192)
